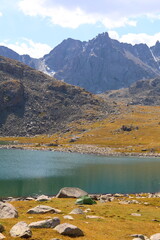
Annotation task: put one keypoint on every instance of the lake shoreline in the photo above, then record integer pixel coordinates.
(84, 149)
(95, 196)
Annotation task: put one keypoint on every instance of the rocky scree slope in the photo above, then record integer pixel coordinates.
(34, 103)
(97, 65)
(142, 92)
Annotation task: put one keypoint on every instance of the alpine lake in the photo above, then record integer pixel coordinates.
(30, 173)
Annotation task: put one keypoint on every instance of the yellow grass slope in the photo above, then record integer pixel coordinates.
(116, 223)
(143, 137)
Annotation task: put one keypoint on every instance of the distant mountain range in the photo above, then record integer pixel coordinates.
(98, 65)
(142, 92)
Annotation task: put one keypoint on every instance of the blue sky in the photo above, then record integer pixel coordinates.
(35, 27)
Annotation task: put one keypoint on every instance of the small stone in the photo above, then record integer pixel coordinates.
(55, 239)
(118, 195)
(68, 217)
(30, 199)
(123, 202)
(155, 220)
(77, 211)
(43, 198)
(94, 217)
(136, 214)
(87, 210)
(69, 230)
(2, 236)
(137, 238)
(21, 229)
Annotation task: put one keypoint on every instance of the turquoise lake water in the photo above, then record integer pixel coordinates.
(25, 173)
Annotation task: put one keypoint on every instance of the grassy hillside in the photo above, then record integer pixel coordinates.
(133, 129)
(116, 221)
(33, 103)
(40, 112)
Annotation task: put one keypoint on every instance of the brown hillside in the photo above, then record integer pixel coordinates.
(34, 103)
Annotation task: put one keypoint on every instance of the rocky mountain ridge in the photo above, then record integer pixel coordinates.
(143, 92)
(98, 65)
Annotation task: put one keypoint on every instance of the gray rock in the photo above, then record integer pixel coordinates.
(155, 220)
(2, 236)
(136, 214)
(139, 237)
(68, 217)
(77, 211)
(129, 202)
(94, 217)
(1, 228)
(50, 223)
(43, 198)
(71, 192)
(157, 194)
(69, 230)
(87, 210)
(21, 229)
(155, 236)
(123, 202)
(29, 199)
(43, 209)
(7, 211)
(118, 195)
(55, 239)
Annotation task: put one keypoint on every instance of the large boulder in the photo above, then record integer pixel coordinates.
(21, 229)
(71, 192)
(7, 211)
(49, 223)
(139, 237)
(43, 209)
(155, 236)
(69, 230)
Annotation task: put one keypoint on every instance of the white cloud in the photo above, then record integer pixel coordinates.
(1, 14)
(27, 46)
(71, 13)
(133, 38)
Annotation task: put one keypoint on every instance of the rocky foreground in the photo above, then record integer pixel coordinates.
(115, 216)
